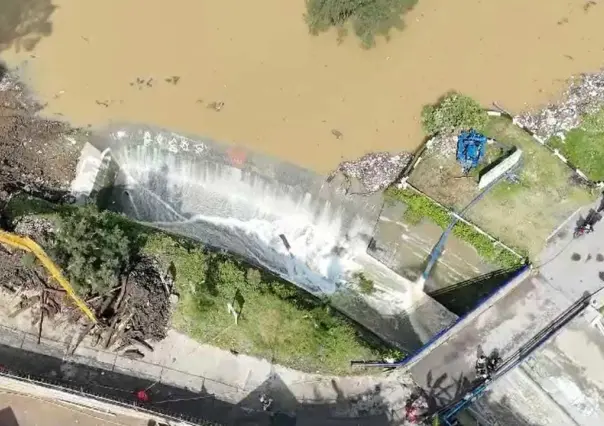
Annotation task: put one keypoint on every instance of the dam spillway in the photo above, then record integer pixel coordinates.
(276, 215)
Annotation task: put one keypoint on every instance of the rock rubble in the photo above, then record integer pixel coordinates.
(584, 95)
(375, 171)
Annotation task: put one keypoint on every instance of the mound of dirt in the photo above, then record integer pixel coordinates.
(13, 275)
(133, 313)
(148, 298)
(37, 156)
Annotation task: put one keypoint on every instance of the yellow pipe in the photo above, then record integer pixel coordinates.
(27, 244)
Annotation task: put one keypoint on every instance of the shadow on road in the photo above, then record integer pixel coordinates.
(23, 23)
(192, 405)
(465, 296)
(7, 417)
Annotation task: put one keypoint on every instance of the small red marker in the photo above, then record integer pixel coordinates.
(142, 396)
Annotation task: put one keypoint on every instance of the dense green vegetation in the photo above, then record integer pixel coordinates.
(419, 207)
(368, 18)
(94, 248)
(275, 319)
(584, 146)
(453, 112)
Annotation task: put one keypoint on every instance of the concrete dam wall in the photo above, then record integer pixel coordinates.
(276, 215)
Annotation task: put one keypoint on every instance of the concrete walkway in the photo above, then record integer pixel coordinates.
(238, 380)
(562, 374)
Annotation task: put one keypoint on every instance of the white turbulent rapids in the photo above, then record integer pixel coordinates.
(173, 185)
(191, 188)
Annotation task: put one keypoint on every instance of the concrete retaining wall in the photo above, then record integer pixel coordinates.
(484, 304)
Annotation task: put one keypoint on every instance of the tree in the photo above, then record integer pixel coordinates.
(452, 113)
(367, 17)
(92, 248)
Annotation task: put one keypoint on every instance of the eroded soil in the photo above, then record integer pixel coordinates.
(36, 155)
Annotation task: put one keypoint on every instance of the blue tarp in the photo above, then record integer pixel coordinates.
(470, 148)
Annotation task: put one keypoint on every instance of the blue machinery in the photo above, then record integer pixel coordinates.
(470, 149)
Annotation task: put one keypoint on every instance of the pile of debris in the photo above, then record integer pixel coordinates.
(443, 144)
(134, 313)
(584, 95)
(129, 316)
(37, 155)
(374, 171)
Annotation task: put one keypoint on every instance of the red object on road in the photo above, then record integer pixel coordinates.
(411, 414)
(142, 396)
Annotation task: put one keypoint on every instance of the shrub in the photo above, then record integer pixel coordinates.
(253, 278)
(92, 248)
(224, 277)
(365, 284)
(452, 113)
(283, 290)
(28, 260)
(368, 17)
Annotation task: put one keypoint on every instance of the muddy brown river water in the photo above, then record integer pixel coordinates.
(285, 92)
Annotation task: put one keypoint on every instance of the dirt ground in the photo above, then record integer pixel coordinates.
(284, 91)
(521, 214)
(36, 155)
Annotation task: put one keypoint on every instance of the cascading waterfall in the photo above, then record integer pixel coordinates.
(275, 215)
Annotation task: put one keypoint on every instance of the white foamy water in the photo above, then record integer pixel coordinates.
(191, 188)
(174, 183)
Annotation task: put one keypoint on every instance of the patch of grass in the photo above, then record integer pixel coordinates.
(525, 213)
(584, 146)
(540, 169)
(277, 320)
(593, 123)
(419, 207)
(368, 18)
(453, 112)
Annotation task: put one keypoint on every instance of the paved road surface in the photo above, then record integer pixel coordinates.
(21, 410)
(569, 267)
